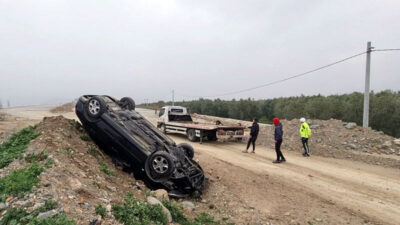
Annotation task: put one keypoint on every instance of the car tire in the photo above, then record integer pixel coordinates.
(189, 151)
(127, 103)
(95, 107)
(159, 166)
(191, 134)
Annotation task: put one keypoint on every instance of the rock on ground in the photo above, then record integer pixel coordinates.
(153, 201)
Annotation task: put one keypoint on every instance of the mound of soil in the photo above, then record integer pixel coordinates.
(330, 138)
(78, 183)
(75, 180)
(67, 107)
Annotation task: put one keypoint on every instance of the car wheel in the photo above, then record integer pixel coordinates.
(159, 166)
(191, 134)
(95, 107)
(127, 103)
(189, 151)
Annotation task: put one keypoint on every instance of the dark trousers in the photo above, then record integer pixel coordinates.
(305, 146)
(279, 155)
(252, 140)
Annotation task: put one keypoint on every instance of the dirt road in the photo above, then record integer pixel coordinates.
(313, 190)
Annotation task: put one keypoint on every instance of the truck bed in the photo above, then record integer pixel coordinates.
(202, 126)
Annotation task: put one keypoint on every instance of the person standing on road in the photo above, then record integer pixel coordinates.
(253, 136)
(305, 133)
(278, 141)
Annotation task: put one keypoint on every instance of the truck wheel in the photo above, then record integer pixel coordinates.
(189, 151)
(163, 128)
(159, 166)
(95, 107)
(191, 134)
(127, 103)
(212, 137)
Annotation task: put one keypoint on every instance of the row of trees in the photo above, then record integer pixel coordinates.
(384, 108)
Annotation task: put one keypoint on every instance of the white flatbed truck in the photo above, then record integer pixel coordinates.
(176, 119)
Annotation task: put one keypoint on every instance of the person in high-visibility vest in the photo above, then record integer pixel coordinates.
(305, 133)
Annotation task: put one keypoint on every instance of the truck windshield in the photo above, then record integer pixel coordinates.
(177, 110)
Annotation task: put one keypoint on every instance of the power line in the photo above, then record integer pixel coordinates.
(282, 80)
(385, 50)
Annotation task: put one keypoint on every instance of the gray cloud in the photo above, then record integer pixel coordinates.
(54, 51)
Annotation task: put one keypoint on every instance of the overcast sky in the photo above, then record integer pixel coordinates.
(55, 51)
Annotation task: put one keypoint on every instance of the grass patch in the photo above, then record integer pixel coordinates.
(18, 216)
(20, 181)
(93, 151)
(48, 205)
(14, 216)
(60, 219)
(106, 170)
(101, 210)
(49, 163)
(32, 157)
(65, 151)
(206, 219)
(202, 218)
(16, 145)
(135, 212)
(177, 215)
(85, 137)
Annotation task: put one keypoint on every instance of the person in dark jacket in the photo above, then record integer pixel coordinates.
(278, 141)
(253, 136)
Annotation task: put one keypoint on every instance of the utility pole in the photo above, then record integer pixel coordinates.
(367, 85)
(173, 97)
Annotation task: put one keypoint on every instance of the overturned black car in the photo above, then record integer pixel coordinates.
(134, 143)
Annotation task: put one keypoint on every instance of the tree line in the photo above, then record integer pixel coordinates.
(384, 108)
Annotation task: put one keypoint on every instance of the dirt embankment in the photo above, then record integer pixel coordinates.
(77, 180)
(67, 107)
(330, 138)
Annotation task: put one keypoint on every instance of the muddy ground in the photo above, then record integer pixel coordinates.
(249, 189)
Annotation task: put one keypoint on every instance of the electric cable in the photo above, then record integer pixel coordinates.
(279, 81)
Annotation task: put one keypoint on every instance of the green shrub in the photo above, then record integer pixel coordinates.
(16, 145)
(20, 181)
(48, 205)
(135, 212)
(60, 219)
(176, 212)
(101, 210)
(205, 219)
(106, 170)
(17, 216)
(179, 217)
(49, 163)
(14, 216)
